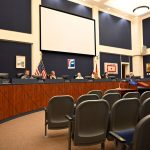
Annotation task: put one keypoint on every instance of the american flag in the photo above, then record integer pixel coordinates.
(41, 70)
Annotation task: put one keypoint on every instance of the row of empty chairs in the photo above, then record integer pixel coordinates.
(90, 123)
(133, 94)
(127, 128)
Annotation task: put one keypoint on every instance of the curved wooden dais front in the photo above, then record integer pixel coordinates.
(21, 98)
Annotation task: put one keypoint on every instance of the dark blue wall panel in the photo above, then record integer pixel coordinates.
(113, 58)
(69, 7)
(146, 59)
(8, 52)
(15, 15)
(125, 58)
(58, 62)
(146, 32)
(114, 31)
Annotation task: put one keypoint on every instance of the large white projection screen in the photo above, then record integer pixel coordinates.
(64, 32)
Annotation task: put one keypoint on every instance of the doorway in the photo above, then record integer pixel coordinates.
(125, 69)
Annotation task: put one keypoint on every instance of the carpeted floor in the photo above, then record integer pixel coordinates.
(27, 133)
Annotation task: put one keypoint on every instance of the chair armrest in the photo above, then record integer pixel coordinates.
(46, 115)
(117, 137)
(45, 108)
(69, 117)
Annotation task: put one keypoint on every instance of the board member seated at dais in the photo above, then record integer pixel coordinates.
(79, 76)
(52, 75)
(26, 74)
(96, 76)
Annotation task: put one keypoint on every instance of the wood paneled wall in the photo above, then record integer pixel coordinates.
(17, 99)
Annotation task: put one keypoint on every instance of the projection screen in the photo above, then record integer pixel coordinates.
(63, 32)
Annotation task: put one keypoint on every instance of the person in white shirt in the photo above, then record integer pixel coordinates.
(79, 76)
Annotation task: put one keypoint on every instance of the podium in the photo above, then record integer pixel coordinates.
(122, 91)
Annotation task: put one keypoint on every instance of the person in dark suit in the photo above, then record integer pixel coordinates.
(52, 75)
(106, 75)
(131, 75)
(26, 74)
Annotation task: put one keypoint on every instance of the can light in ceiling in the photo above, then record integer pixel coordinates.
(140, 10)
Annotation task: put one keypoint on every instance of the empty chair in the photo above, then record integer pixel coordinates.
(144, 96)
(131, 95)
(124, 117)
(145, 108)
(142, 135)
(89, 126)
(140, 140)
(111, 98)
(98, 92)
(111, 91)
(58, 107)
(86, 97)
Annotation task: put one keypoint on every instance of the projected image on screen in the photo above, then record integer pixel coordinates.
(64, 32)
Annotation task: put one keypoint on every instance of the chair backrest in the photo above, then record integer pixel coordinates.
(145, 108)
(144, 96)
(91, 122)
(131, 95)
(142, 135)
(124, 114)
(58, 107)
(111, 98)
(98, 92)
(86, 97)
(111, 91)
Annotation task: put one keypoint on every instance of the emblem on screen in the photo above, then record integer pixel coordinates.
(71, 63)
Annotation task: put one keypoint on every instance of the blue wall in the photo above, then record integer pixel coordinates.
(8, 52)
(15, 15)
(113, 58)
(69, 7)
(146, 32)
(114, 31)
(58, 62)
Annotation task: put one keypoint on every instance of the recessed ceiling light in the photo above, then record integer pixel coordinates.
(141, 10)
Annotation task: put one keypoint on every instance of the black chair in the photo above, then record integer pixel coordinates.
(123, 119)
(19, 75)
(58, 107)
(131, 95)
(89, 126)
(141, 136)
(145, 108)
(111, 91)
(144, 96)
(111, 98)
(97, 92)
(4, 78)
(86, 97)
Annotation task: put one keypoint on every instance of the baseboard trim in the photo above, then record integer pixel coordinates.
(20, 115)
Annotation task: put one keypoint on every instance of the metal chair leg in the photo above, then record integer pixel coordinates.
(45, 129)
(103, 146)
(45, 121)
(70, 134)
